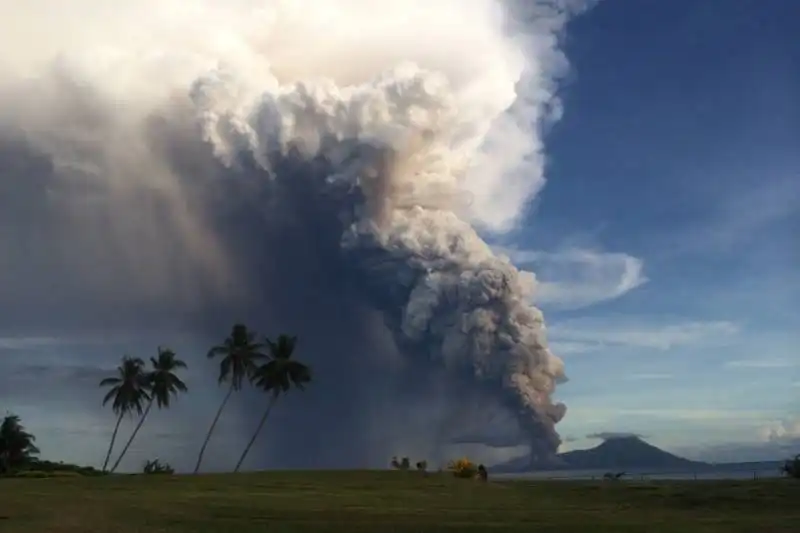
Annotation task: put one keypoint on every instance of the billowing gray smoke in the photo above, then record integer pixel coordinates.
(314, 166)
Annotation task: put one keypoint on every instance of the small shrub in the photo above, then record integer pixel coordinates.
(35, 468)
(41, 474)
(791, 467)
(463, 468)
(422, 466)
(66, 473)
(403, 464)
(157, 467)
(32, 474)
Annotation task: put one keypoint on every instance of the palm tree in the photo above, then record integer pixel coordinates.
(239, 353)
(162, 384)
(277, 376)
(16, 445)
(128, 392)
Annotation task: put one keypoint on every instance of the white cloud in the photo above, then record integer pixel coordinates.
(735, 452)
(571, 348)
(781, 430)
(595, 334)
(775, 440)
(762, 363)
(704, 415)
(576, 278)
(648, 377)
(611, 435)
(28, 343)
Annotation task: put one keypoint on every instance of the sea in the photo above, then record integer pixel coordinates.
(756, 471)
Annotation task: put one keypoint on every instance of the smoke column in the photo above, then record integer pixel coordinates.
(317, 166)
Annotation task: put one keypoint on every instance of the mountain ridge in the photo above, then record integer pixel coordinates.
(618, 453)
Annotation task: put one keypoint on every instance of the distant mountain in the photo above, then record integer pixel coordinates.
(625, 453)
(618, 454)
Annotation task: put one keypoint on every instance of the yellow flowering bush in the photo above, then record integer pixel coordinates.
(463, 468)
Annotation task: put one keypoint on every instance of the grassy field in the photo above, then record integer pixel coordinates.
(386, 502)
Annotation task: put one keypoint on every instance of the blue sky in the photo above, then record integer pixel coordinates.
(667, 239)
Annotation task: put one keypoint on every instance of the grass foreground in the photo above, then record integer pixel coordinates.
(384, 502)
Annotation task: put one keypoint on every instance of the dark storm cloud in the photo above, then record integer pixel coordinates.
(283, 252)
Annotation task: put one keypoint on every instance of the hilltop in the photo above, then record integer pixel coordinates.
(620, 453)
(625, 453)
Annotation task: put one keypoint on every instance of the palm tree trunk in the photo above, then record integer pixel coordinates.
(113, 439)
(211, 429)
(258, 430)
(133, 435)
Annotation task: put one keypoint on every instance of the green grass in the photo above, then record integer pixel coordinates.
(386, 502)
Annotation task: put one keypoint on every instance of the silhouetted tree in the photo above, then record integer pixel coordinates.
(157, 467)
(277, 376)
(128, 392)
(402, 464)
(16, 445)
(161, 385)
(240, 354)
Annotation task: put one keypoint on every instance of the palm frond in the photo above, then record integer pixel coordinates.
(225, 369)
(180, 385)
(163, 384)
(217, 351)
(238, 354)
(109, 395)
(127, 387)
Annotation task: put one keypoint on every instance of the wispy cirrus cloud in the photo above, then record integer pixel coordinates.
(573, 348)
(611, 435)
(588, 335)
(648, 377)
(764, 363)
(740, 215)
(28, 343)
(683, 414)
(34, 343)
(576, 278)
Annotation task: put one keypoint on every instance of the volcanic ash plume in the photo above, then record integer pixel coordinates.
(403, 143)
(409, 124)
